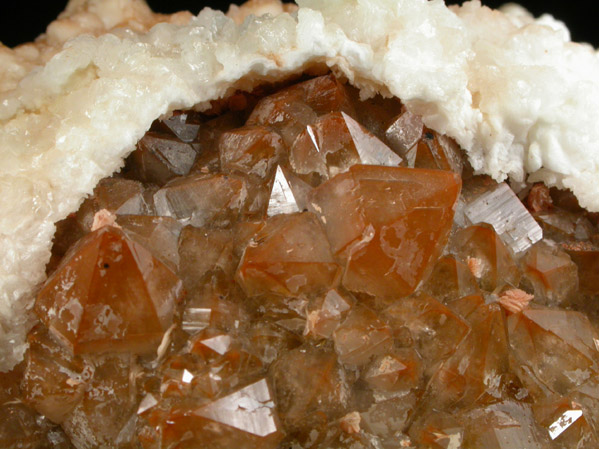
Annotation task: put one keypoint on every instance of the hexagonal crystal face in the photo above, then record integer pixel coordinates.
(297, 268)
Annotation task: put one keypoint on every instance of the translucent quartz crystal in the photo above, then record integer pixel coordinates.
(289, 256)
(388, 419)
(480, 247)
(565, 226)
(395, 371)
(184, 125)
(200, 200)
(282, 199)
(422, 147)
(403, 135)
(22, 427)
(361, 335)
(244, 418)
(218, 303)
(119, 196)
(370, 149)
(586, 398)
(335, 142)
(450, 279)
(436, 151)
(102, 416)
(436, 331)
(123, 299)
(208, 159)
(270, 340)
(161, 157)
(388, 249)
(53, 382)
(553, 275)
(290, 110)
(310, 386)
(559, 347)
(249, 410)
(252, 150)
(475, 372)
(438, 430)
(375, 113)
(324, 313)
(501, 208)
(216, 249)
(203, 374)
(160, 235)
(586, 257)
(210, 344)
(503, 425)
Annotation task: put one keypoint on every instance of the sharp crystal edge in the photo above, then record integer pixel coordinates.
(184, 131)
(282, 200)
(250, 410)
(370, 149)
(501, 208)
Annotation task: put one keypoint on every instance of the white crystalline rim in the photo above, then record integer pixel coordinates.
(512, 90)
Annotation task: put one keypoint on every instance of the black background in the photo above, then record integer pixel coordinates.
(22, 21)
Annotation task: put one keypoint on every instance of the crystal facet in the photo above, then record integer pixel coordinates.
(160, 157)
(252, 150)
(289, 256)
(388, 250)
(361, 336)
(126, 302)
(552, 273)
(489, 260)
(573, 357)
(501, 208)
(282, 199)
(202, 199)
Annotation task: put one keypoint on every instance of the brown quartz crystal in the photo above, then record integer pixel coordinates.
(297, 268)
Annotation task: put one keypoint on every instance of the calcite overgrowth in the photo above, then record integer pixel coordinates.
(309, 271)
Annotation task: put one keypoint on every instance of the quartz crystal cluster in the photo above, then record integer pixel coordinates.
(296, 268)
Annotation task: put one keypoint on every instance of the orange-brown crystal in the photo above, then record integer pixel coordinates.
(109, 294)
(389, 224)
(342, 290)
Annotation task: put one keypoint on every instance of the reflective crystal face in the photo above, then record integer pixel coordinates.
(200, 200)
(333, 144)
(290, 255)
(388, 224)
(295, 268)
(250, 150)
(109, 294)
(500, 207)
(552, 273)
(161, 157)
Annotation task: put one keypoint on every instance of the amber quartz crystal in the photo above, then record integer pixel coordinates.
(296, 268)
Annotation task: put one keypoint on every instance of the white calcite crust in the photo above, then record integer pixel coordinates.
(512, 90)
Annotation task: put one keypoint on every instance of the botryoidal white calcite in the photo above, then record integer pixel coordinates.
(512, 90)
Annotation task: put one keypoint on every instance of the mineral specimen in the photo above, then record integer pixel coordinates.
(305, 271)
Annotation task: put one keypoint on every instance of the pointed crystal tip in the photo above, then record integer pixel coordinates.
(282, 200)
(370, 149)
